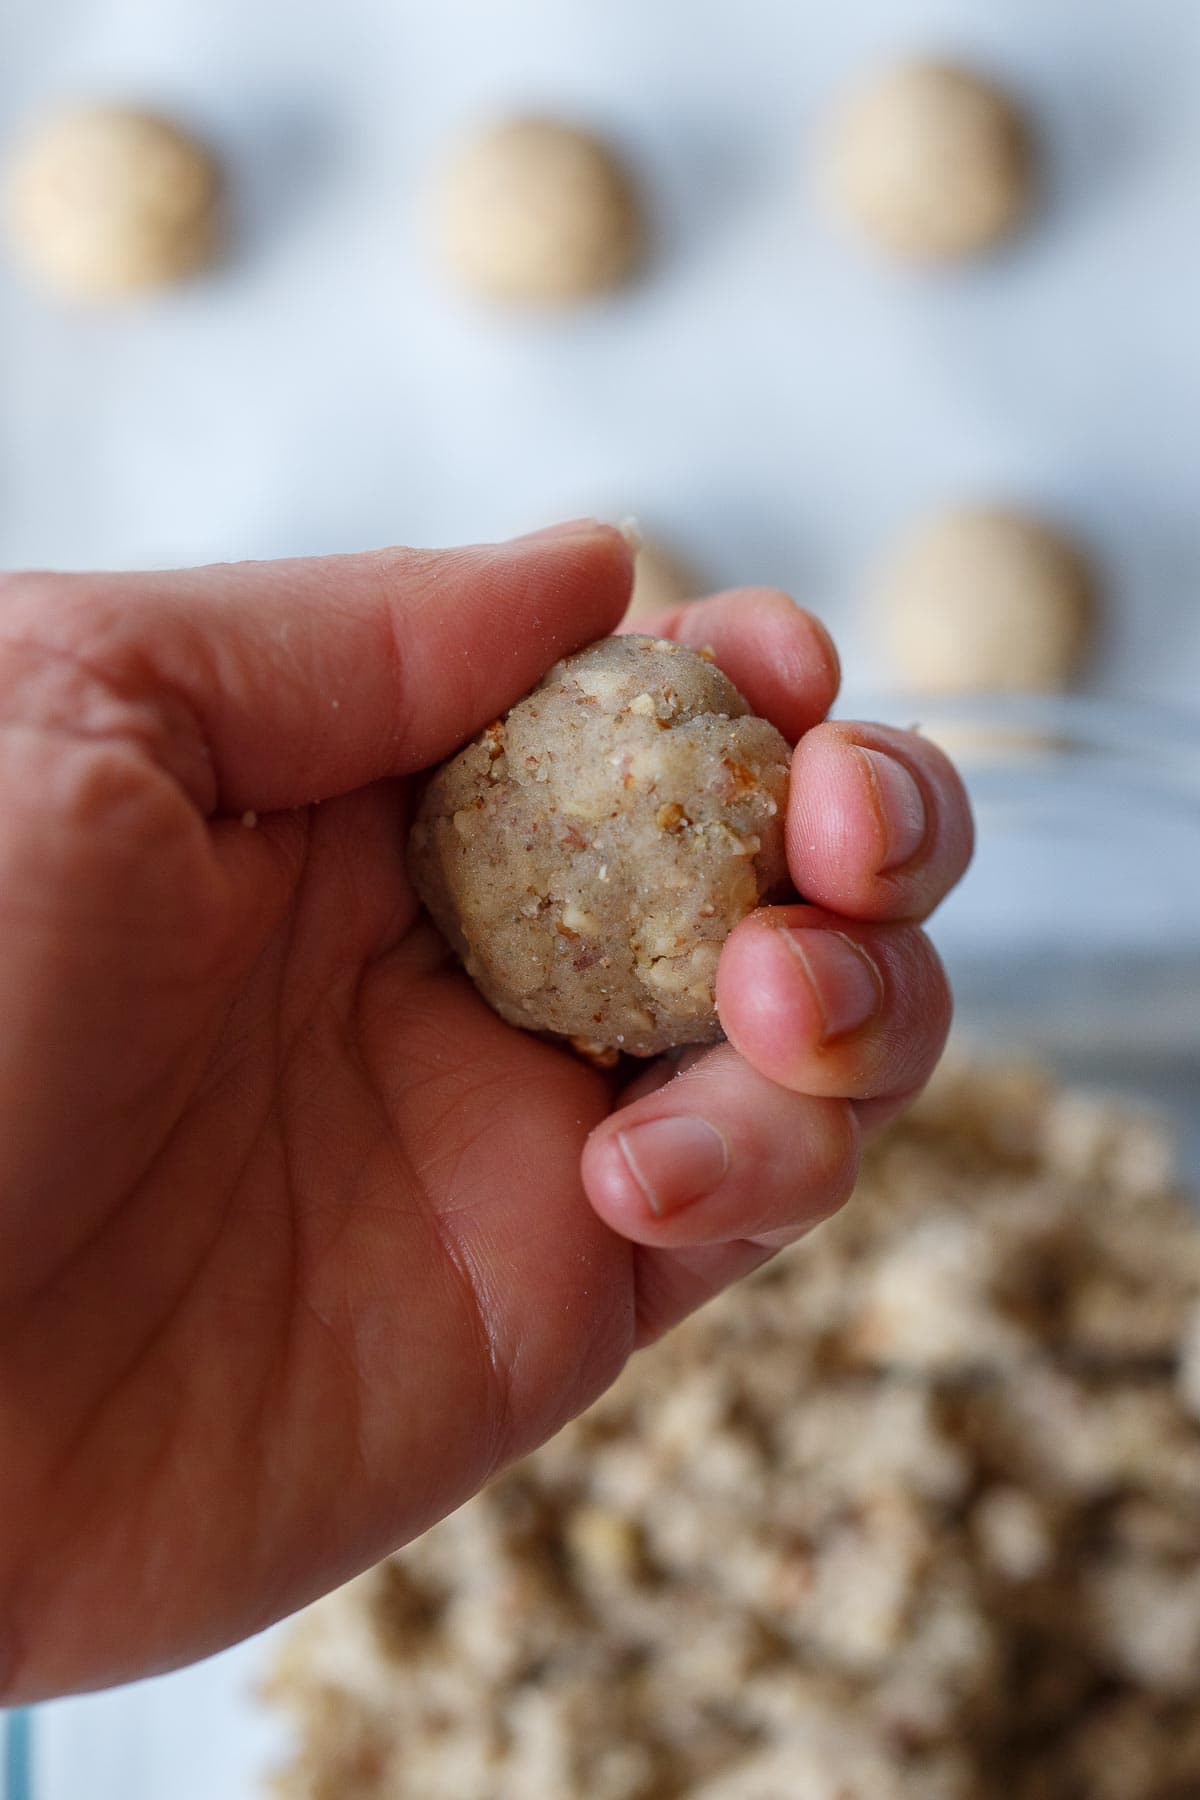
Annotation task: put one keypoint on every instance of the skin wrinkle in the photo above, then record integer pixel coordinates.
(69, 1262)
(291, 852)
(85, 1430)
(173, 1306)
(350, 871)
(203, 662)
(302, 1307)
(141, 773)
(290, 1036)
(15, 912)
(343, 1354)
(504, 1363)
(498, 1407)
(438, 1055)
(428, 1212)
(657, 1312)
(70, 1258)
(119, 1383)
(276, 1378)
(296, 663)
(393, 631)
(498, 1404)
(177, 746)
(580, 1386)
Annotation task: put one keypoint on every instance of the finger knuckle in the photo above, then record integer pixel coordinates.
(110, 786)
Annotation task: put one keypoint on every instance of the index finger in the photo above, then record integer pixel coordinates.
(262, 686)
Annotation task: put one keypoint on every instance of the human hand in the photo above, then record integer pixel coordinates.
(299, 1242)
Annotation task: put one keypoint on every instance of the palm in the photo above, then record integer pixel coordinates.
(357, 1173)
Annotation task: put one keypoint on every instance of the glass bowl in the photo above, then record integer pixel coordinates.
(1075, 937)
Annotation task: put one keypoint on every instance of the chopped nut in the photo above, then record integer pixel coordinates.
(743, 780)
(599, 1055)
(880, 1524)
(605, 1543)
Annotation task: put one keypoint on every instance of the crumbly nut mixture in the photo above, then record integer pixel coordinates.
(914, 1514)
(588, 855)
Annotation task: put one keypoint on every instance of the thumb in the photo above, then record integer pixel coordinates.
(270, 685)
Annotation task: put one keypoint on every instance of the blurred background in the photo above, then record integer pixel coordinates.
(771, 398)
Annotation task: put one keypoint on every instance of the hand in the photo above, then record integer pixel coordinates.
(298, 1241)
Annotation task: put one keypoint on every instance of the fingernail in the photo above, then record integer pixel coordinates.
(675, 1161)
(900, 805)
(845, 982)
(568, 528)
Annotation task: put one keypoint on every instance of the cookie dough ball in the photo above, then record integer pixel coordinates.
(981, 598)
(537, 212)
(105, 202)
(660, 581)
(588, 855)
(933, 162)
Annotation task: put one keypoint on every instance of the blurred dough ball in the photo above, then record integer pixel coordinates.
(660, 582)
(104, 202)
(537, 212)
(933, 162)
(981, 598)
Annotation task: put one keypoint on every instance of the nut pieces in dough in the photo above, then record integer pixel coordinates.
(913, 1514)
(588, 855)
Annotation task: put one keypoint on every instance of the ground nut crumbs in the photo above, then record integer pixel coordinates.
(914, 1514)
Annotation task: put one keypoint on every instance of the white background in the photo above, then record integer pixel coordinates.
(771, 398)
